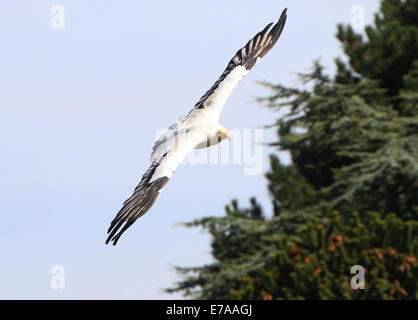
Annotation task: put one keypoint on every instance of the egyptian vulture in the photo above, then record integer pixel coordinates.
(199, 129)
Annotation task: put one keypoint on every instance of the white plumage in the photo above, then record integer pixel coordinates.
(199, 129)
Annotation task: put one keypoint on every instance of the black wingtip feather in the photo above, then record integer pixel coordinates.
(247, 56)
(267, 28)
(137, 204)
(116, 238)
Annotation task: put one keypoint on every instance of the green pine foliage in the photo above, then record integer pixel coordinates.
(352, 140)
(350, 196)
(254, 261)
(391, 46)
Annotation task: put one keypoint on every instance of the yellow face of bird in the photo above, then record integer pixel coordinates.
(222, 134)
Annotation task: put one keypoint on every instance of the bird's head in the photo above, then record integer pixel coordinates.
(222, 134)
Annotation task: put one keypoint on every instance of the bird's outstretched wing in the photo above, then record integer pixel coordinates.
(166, 158)
(170, 150)
(239, 66)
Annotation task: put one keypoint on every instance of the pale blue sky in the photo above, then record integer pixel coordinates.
(79, 111)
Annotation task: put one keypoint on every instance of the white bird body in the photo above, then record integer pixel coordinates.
(196, 131)
(199, 129)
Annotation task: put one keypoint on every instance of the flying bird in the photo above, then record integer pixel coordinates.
(199, 129)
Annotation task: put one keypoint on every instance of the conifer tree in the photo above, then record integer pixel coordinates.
(350, 196)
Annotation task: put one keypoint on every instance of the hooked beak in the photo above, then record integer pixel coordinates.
(224, 132)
